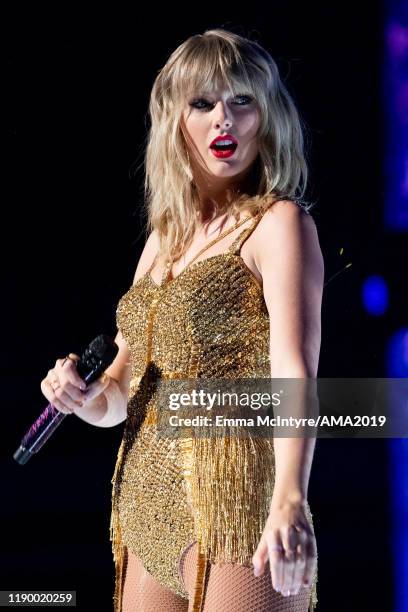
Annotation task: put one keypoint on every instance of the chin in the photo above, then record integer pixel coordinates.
(227, 173)
(227, 168)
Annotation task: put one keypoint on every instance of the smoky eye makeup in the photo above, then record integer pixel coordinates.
(202, 102)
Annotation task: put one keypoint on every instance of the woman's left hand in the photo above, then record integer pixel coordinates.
(289, 541)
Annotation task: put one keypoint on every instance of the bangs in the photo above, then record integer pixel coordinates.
(213, 64)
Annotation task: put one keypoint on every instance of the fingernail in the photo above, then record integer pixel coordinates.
(256, 570)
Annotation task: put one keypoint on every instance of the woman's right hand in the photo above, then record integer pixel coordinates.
(65, 389)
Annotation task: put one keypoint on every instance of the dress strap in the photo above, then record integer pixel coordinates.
(203, 568)
(167, 269)
(218, 238)
(235, 247)
(152, 264)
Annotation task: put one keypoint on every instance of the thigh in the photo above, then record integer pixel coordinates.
(142, 593)
(232, 587)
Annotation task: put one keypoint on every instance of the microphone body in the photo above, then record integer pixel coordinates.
(95, 359)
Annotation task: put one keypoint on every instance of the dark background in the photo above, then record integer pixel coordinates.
(77, 88)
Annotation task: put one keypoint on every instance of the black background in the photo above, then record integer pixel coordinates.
(77, 86)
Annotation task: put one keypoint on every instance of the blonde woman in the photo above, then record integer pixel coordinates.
(229, 285)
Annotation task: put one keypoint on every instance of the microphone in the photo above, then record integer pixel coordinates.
(95, 359)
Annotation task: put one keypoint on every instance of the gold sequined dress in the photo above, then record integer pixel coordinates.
(210, 321)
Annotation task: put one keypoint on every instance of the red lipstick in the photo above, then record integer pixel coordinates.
(224, 146)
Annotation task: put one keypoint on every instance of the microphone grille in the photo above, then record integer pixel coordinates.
(104, 348)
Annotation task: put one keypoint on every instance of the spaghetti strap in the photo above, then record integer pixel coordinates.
(218, 238)
(235, 247)
(167, 269)
(152, 264)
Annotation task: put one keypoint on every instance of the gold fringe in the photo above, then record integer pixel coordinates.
(115, 536)
(230, 482)
(219, 472)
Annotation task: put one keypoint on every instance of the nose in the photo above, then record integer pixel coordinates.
(221, 117)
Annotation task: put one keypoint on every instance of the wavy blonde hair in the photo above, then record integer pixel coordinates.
(218, 57)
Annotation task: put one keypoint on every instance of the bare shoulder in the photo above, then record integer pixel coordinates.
(286, 215)
(287, 228)
(147, 256)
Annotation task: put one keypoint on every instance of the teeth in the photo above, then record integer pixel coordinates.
(224, 142)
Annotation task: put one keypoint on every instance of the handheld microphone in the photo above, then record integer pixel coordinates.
(95, 359)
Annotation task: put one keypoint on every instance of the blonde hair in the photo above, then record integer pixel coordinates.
(203, 61)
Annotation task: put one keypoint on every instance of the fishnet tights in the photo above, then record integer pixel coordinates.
(230, 588)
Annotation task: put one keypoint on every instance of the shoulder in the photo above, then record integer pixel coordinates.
(285, 215)
(286, 228)
(147, 256)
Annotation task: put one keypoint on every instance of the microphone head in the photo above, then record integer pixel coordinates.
(104, 348)
(98, 355)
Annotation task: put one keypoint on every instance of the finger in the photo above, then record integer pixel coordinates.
(72, 357)
(300, 564)
(69, 369)
(64, 379)
(260, 557)
(52, 376)
(311, 560)
(61, 395)
(61, 399)
(51, 396)
(73, 391)
(290, 543)
(70, 362)
(53, 379)
(97, 387)
(276, 561)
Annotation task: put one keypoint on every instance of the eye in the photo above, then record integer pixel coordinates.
(196, 103)
(240, 100)
(245, 98)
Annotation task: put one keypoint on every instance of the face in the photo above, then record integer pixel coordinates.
(218, 113)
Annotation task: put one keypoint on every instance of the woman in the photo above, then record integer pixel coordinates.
(229, 285)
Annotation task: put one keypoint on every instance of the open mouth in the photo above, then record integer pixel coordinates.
(223, 148)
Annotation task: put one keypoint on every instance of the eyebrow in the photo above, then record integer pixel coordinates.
(209, 93)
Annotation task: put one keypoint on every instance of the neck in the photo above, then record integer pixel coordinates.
(215, 195)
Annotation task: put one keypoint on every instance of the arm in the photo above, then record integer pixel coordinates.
(109, 408)
(288, 255)
(292, 269)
